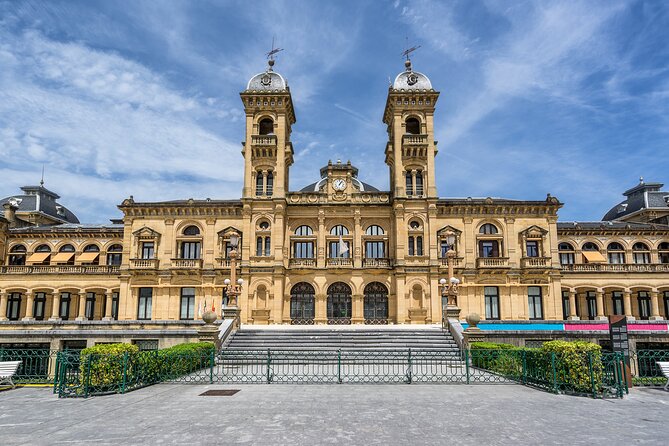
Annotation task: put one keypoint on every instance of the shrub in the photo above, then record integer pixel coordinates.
(491, 346)
(101, 366)
(578, 364)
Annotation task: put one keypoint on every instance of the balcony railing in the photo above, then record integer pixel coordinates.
(60, 269)
(616, 267)
(186, 263)
(377, 263)
(340, 262)
(535, 262)
(263, 140)
(457, 261)
(492, 262)
(302, 263)
(414, 139)
(144, 263)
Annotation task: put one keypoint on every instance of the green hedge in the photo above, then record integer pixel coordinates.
(101, 366)
(578, 364)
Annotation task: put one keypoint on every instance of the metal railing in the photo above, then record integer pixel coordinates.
(645, 369)
(38, 366)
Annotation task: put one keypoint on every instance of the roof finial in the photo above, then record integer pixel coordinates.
(405, 53)
(270, 55)
(640, 180)
(41, 182)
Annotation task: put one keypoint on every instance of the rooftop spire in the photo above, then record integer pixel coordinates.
(406, 53)
(270, 55)
(41, 182)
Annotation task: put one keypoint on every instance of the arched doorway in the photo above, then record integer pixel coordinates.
(376, 303)
(339, 304)
(302, 304)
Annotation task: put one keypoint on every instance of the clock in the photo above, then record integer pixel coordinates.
(339, 184)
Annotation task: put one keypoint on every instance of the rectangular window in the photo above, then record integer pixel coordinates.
(567, 258)
(443, 245)
(591, 303)
(375, 250)
(115, 305)
(259, 185)
(114, 258)
(144, 303)
(411, 245)
(409, 184)
(491, 294)
(90, 306)
(663, 257)
(419, 245)
(268, 246)
(644, 305)
(488, 248)
(641, 257)
(419, 183)
(190, 250)
(616, 257)
(303, 250)
(270, 184)
(534, 302)
(14, 306)
(666, 305)
(565, 305)
(147, 250)
(335, 250)
(38, 306)
(259, 246)
(617, 300)
(187, 303)
(64, 310)
(532, 249)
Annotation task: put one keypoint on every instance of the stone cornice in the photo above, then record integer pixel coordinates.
(497, 207)
(189, 208)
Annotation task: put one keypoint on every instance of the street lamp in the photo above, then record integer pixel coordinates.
(233, 286)
(449, 288)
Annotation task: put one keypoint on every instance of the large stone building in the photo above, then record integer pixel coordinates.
(339, 251)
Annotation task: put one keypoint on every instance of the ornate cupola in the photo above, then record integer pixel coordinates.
(268, 152)
(411, 148)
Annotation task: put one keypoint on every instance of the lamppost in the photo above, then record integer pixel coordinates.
(233, 286)
(449, 288)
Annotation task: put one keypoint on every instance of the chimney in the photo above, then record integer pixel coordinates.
(10, 213)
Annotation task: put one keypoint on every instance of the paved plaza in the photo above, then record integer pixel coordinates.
(334, 414)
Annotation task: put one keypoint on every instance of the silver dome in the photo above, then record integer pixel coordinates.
(267, 81)
(412, 80)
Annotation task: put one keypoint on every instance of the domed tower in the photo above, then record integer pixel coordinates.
(268, 152)
(411, 148)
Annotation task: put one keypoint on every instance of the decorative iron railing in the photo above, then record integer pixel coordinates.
(645, 369)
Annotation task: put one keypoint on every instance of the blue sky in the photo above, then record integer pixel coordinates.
(142, 97)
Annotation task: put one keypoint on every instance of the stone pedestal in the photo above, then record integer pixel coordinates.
(453, 312)
(234, 314)
(209, 333)
(260, 316)
(417, 315)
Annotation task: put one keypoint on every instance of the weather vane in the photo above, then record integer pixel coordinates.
(274, 50)
(409, 50)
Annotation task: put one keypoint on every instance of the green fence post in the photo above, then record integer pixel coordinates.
(524, 362)
(555, 385)
(87, 375)
(467, 364)
(211, 367)
(56, 373)
(269, 361)
(339, 366)
(409, 368)
(124, 382)
(592, 376)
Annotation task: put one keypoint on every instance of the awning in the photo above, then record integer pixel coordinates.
(62, 257)
(594, 257)
(38, 257)
(87, 257)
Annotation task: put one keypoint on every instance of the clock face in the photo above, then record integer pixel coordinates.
(339, 184)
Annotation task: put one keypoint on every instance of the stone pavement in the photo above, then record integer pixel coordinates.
(503, 414)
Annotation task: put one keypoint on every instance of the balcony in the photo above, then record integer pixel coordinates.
(60, 269)
(377, 263)
(302, 263)
(457, 261)
(187, 263)
(263, 140)
(535, 262)
(617, 268)
(410, 139)
(340, 262)
(144, 263)
(492, 262)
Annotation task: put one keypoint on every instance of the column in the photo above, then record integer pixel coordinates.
(81, 315)
(264, 182)
(654, 306)
(30, 304)
(321, 309)
(55, 308)
(627, 299)
(413, 182)
(599, 300)
(3, 306)
(357, 316)
(572, 306)
(108, 306)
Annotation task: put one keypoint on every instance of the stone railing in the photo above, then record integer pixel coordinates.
(535, 262)
(302, 263)
(457, 261)
(492, 262)
(186, 263)
(263, 140)
(377, 263)
(60, 269)
(144, 263)
(340, 261)
(414, 139)
(616, 268)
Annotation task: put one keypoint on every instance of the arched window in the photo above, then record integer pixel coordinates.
(266, 126)
(419, 183)
(304, 230)
(114, 255)
(91, 248)
(663, 255)
(566, 253)
(41, 256)
(590, 246)
(191, 230)
(376, 303)
(65, 255)
(259, 183)
(414, 225)
(269, 189)
(488, 229)
(339, 303)
(375, 230)
(43, 248)
(616, 253)
(302, 307)
(66, 248)
(264, 226)
(415, 241)
(339, 230)
(640, 253)
(409, 183)
(91, 255)
(413, 126)
(17, 255)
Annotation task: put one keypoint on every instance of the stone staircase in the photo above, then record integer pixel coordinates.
(353, 338)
